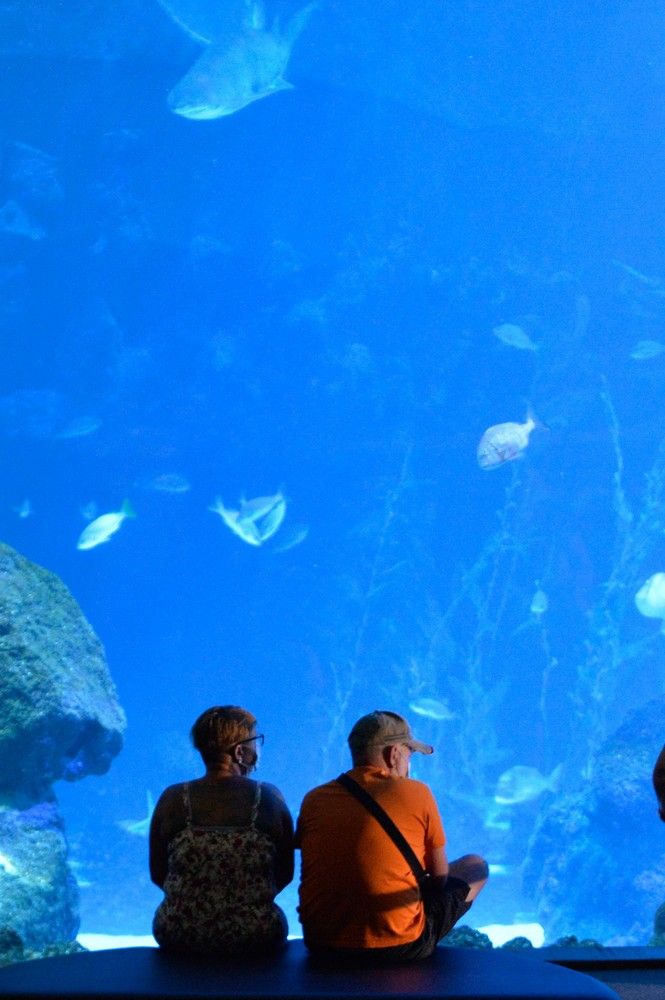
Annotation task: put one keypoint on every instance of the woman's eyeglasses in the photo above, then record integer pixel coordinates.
(259, 739)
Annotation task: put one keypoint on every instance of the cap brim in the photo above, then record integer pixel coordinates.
(420, 747)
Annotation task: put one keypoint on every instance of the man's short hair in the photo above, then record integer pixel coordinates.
(219, 729)
(382, 729)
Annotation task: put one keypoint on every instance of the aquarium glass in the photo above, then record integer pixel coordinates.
(349, 322)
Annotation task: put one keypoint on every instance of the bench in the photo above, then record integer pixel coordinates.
(452, 973)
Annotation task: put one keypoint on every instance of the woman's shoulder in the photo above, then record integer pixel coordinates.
(172, 796)
(271, 793)
(174, 791)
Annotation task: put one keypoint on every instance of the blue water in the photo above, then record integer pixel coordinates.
(301, 297)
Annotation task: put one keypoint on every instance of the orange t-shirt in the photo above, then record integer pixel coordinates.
(356, 889)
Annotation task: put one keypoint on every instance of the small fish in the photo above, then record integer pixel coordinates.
(432, 708)
(24, 509)
(514, 336)
(522, 784)
(168, 482)
(501, 869)
(272, 520)
(101, 529)
(256, 520)
(504, 442)
(259, 507)
(295, 536)
(650, 598)
(539, 602)
(246, 531)
(139, 827)
(645, 349)
(88, 510)
(79, 427)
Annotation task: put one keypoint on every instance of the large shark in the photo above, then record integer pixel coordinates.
(243, 60)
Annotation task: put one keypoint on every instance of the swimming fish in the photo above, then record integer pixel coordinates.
(24, 509)
(88, 510)
(8, 866)
(522, 784)
(645, 349)
(293, 537)
(514, 336)
(504, 442)
(241, 66)
(139, 827)
(650, 598)
(101, 529)
(79, 427)
(432, 708)
(256, 520)
(539, 602)
(167, 482)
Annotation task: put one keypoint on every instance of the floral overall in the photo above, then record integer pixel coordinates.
(219, 890)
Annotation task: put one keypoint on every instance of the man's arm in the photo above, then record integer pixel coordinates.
(436, 862)
(659, 783)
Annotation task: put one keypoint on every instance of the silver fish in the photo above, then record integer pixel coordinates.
(522, 784)
(514, 336)
(539, 603)
(256, 520)
(101, 529)
(432, 708)
(645, 349)
(504, 442)
(139, 827)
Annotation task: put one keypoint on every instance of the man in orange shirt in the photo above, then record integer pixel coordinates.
(358, 894)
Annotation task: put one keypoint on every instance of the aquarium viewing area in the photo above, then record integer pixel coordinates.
(333, 367)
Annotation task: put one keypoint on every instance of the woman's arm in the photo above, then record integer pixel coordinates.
(282, 833)
(162, 827)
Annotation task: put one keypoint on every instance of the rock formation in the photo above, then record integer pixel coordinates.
(60, 720)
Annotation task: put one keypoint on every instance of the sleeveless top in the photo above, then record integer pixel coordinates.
(219, 889)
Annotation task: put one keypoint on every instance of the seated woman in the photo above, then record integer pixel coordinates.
(221, 847)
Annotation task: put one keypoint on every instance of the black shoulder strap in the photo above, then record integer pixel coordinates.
(384, 819)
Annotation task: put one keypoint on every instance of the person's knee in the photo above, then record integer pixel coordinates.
(472, 868)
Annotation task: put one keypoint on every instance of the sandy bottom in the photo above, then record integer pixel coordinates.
(497, 933)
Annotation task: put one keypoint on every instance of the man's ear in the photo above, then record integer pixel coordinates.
(390, 754)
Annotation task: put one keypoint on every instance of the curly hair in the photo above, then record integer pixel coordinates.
(219, 729)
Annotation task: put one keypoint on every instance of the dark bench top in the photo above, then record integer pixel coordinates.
(453, 973)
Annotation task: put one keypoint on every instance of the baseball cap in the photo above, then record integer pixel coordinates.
(382, 729)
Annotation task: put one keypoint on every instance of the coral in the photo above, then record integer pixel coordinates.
(589, 865)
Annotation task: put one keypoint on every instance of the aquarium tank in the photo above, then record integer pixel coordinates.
(333, 367)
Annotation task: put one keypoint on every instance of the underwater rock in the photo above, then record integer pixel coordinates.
(466, 937)
(658, 936)
(60, 715)
(570, 941)
(589, 865)
(60, 720)
(38, 893)
(517, 944)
